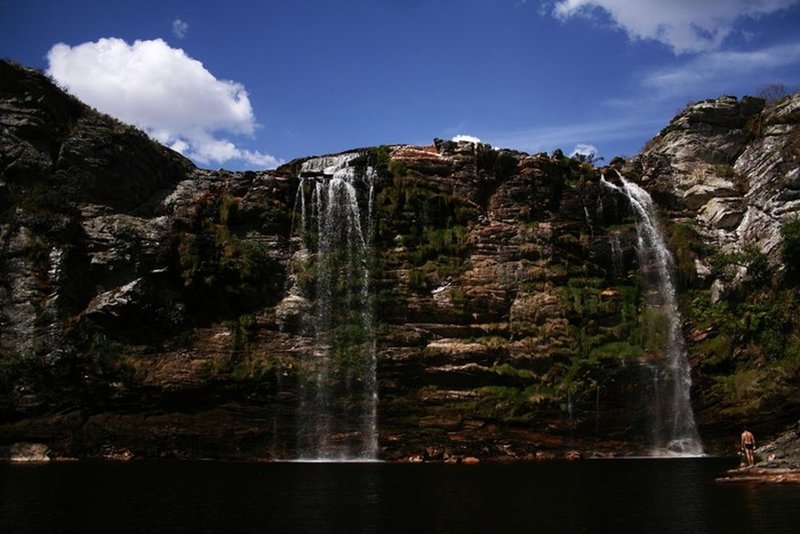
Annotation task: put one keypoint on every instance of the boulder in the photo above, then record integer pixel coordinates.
(722, 213)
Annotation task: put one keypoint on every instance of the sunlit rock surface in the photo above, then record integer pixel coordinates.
(153, 309)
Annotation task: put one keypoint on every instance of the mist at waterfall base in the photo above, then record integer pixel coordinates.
(673, 429)
(646, 495)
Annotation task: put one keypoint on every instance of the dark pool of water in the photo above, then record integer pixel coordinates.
(589, 496)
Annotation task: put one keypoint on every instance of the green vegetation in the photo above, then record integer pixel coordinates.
(111, 358)
(428, 220)
(621, 350)
(756, 263)
(761, 321)
(687, 247)
(244, 330)
(750, 347)
(381, 161)
(253, 367)
(793, 141)
(217, 265)
(508, 370)
(228, 209)
(724, 170)
(437, 244)
(504, 403)
(790, 251)
(580, 339)
(512, 404)
(49, 203)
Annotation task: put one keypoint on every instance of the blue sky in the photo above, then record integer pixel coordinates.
(246, 84)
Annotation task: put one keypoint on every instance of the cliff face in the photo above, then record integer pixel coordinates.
(726, 173)
(731, 165)
(152, 308)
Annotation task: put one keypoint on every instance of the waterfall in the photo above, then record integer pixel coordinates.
(338, 413)
(616, 255)
(600, 210)
(674, 430)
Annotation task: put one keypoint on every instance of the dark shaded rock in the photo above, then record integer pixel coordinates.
(783, 452)
(152, 309)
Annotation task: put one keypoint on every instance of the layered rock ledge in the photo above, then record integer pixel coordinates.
(153, 309)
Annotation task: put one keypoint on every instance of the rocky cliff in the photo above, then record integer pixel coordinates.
(150, 308)
(726, 174)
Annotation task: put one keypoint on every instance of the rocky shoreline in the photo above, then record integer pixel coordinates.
(778, 462)
(761, 475)
(41, 453)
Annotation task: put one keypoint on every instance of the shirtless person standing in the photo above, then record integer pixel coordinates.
(748, 442)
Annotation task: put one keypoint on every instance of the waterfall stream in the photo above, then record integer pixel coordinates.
(616, 255)
(673, 425)
(339, 388)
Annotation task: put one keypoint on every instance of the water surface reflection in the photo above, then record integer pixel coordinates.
(676, 495)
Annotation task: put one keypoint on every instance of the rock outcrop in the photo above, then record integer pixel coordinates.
(725, 172)
(783, 452)
(732, 164)
(150, 308)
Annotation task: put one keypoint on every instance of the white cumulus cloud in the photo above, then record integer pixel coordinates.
(468, 138)
(180, 28)
(584, 149)
(686, 26)
(163, 91)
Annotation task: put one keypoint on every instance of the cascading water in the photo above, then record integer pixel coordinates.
(674, 430)
(338, 419)
(616, 254)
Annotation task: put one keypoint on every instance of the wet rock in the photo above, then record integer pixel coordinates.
(291, 312)
(28, 452)
(118, 455)
(761, 476)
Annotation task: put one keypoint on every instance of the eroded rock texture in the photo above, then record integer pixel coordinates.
(150, 308)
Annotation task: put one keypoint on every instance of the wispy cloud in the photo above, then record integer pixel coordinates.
(686, 26)
(589, 133)
(180, 28)
(716, 69)
(165, 92)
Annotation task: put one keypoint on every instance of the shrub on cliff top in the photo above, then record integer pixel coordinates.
(773, 93)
